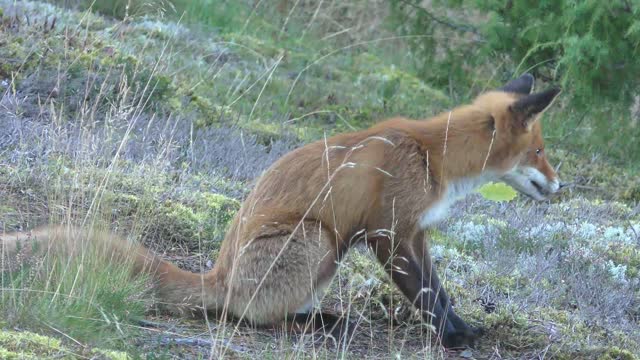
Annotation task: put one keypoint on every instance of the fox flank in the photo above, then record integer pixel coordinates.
(383, 186)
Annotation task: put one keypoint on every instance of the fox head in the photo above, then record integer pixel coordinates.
(518, 157)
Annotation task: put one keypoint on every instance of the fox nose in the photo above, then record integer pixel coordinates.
(555, 185)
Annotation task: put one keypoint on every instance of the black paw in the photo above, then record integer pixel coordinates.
(341, 330)
(461, 339)
(325, 328)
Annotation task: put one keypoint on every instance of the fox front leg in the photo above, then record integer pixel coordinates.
(463, 334)
(422, 287)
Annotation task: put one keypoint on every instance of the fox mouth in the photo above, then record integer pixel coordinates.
(542, 191)
(532, 183)
(533, 190)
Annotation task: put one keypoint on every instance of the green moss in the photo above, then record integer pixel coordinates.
(364, 263)
(93, 69)
(449, 249)
(265, 132)
(254, 46)
(628, 255)
(268, 132)
(203, 217)
(514, 330)
(30, 345)
(9, 216)
(557, 316)
(594, 352)
(436, 236)
(631, 192)
(179, 223)
(580, 339)
(110, 354)
(222, 207)
(11, 355)
(398, 91)
(505, 283)
(209, 114)
(366, 284)
(616, 353)
(17, 58)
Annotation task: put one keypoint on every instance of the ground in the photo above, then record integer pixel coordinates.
(157, 130)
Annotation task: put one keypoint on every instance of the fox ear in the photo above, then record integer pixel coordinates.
(526, 109)
(522, 85)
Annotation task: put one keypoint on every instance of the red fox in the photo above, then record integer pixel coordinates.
(383, 186)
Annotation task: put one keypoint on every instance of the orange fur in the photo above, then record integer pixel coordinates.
(382, 185)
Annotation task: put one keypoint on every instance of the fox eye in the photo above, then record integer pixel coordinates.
(538, 151)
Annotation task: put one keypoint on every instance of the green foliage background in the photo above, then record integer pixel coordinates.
(589, 47)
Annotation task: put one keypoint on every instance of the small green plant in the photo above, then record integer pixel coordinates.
(497, 192)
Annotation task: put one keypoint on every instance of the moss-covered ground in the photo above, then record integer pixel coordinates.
(156, 128)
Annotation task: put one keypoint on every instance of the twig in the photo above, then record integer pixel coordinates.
(202, 342)
(65, 335)
(154, 324)
(595, 188)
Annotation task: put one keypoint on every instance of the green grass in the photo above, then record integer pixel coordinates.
(84, 297)
(605, 130)
(27, 345)
(285, 81)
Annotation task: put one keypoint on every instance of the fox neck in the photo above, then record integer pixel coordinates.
(457, 143)
(458, 152)
(453, 191)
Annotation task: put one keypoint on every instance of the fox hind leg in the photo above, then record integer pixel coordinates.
(280, 273)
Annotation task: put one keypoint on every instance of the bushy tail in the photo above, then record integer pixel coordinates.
(178, 290)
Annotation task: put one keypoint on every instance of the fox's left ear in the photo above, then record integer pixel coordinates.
(526, 109)
(522, 85)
